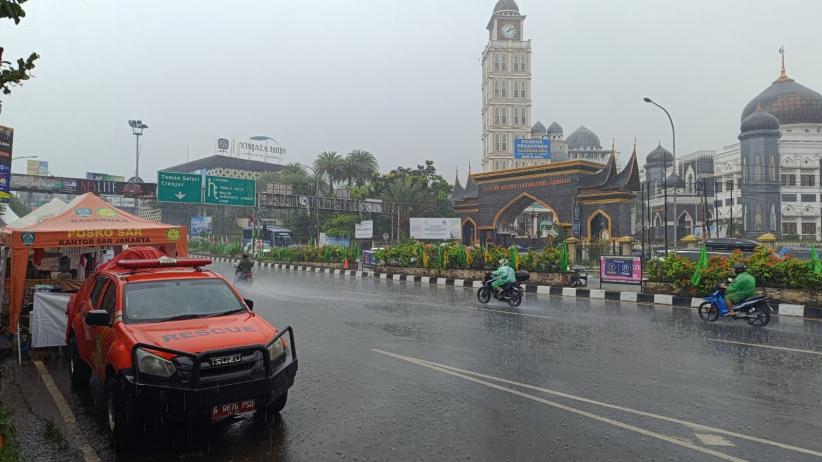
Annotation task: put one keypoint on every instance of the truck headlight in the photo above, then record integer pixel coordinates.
(276, 349)
(151, 364)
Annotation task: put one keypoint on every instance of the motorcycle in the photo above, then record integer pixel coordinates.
(511, 293)
(246, 277)
(756, 310)
(579, 278)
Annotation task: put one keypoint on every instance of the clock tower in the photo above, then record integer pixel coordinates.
(506, 89)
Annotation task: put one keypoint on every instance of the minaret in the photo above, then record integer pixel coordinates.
(506, 88)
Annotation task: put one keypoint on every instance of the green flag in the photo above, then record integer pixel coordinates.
(513, 256)
(816, 264)
(701, 265)
(563, 257)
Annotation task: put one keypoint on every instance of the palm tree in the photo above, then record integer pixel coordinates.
(292, 175)
(410, 193)
(330, 164)
(360, 166)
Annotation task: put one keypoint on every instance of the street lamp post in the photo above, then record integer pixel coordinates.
(316, 193)
(665, 168)
(137, 127)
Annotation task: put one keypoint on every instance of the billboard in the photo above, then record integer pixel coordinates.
(37, 167)
(537, 148)
(364, 230)
(6, 143)
(102, 177)
(200, 225)
(332, 240)
(57, 184)
(436, 228)
(626, 270)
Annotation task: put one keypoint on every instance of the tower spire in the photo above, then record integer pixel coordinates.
(782, 74)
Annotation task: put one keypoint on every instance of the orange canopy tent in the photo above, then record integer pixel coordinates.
(88, 221)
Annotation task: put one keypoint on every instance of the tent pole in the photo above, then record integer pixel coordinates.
(19, 347)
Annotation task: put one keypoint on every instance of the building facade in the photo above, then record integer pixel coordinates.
(506, 87)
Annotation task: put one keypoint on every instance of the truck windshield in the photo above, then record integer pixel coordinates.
(152, 301)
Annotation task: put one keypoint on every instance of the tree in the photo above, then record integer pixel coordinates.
(293, 175)
(9, 74)
(331, 165)
(360, 166)
(438, 189)
(410, 193)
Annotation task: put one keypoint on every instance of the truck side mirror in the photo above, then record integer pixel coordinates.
(97, 318)
(249, 303)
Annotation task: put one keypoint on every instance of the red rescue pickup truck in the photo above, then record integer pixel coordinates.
(174, 342)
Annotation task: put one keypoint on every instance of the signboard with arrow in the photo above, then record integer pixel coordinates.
(179, 187)
(230, 191)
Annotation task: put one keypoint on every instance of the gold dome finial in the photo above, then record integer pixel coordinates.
(782, 74)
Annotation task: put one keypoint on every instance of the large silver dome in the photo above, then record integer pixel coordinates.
(582, 138)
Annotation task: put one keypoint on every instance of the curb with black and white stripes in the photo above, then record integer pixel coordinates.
(782, 309)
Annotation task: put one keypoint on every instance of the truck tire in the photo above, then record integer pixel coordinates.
(269, 414)
(116, 420)
(79, 371)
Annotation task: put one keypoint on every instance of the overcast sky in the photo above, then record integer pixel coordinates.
(395, 77)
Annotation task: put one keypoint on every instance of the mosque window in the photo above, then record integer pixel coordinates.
(808, 197)
(522, 117)
(516, 115)
(516, 88)
(504, 115)
(807, 180)
(808, 228)
(788, 180)
(522, 93)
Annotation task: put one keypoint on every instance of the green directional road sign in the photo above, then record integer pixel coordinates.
(179, 187)
(230, 191)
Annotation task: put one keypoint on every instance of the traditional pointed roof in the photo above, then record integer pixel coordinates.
(628, 178)
(458, 189)
(471, 189)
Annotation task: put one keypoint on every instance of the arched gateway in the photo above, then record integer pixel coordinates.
(588, 200)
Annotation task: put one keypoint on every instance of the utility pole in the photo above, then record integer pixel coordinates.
(731, 225)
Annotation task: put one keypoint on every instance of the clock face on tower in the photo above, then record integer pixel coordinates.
(508, 31)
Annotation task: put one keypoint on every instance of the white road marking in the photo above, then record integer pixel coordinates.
(590, 415)
(65, 412)
(765, 346)
(506, 312)
(363, 293)
(712, 440)
(692, 425)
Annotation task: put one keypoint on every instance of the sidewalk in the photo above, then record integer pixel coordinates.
(42, 435)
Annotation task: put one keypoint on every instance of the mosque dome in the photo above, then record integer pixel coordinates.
(582, 138)
(789, 102)
(506, 7)
(538, 129)
(659, 155)
(554, 129)
(760, 120)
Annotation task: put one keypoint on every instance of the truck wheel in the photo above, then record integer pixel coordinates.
(269, 414)
(116, 420)
(78, 369)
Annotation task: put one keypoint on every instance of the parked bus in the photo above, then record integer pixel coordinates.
(270, 235)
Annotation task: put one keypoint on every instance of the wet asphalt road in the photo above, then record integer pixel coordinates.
(396, 371)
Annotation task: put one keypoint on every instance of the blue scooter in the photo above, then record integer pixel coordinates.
(756, 310)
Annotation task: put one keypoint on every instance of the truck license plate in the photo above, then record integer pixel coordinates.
(225, 410)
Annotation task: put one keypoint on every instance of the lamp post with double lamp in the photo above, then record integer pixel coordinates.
(665, 168)
(137, 127)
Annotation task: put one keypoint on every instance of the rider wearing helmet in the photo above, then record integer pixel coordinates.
(504, 275)
(245, 265)
(742, 288)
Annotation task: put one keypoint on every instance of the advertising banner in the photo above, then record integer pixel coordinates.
(103, 177)
(369, 260)
(626, 270)
(200, 225)
(6, 143)
(539, 148)
(58, 184)
(436, 228)
(37, 167)
(364, 229)
(331, 240)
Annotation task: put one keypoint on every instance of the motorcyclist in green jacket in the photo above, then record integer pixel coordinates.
(504, 275)
(742, 288)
